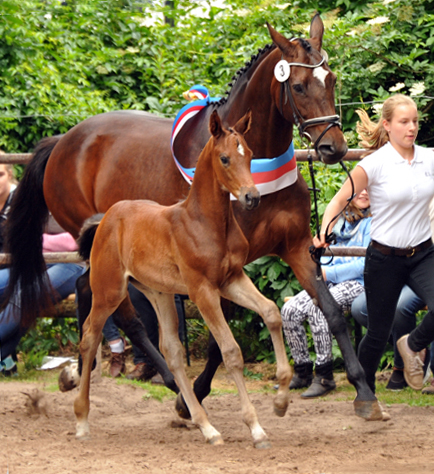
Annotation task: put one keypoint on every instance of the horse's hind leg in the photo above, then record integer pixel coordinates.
(126, 318)
(171, 346)
(243, 292)
(92, 335)
(309, 275)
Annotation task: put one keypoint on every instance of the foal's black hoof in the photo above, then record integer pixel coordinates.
(181, 408)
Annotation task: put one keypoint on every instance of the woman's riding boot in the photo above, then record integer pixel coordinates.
(303, 376)
(323, 382)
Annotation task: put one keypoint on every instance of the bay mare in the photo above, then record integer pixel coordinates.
(127, 155)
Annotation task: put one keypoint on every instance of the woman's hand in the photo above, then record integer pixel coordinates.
(320, 241)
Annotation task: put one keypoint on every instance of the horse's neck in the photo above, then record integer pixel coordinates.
(270, 134)
(206, 197)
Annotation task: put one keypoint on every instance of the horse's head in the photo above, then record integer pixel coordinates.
(303, 91)
(231, 159)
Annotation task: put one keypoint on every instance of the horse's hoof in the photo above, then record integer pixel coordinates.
(181, 408)
(69, 378)
(370, 410)
(281, 404)
(216, 441)
(265, 444)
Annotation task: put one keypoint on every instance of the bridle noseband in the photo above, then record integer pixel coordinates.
(300, 122)
(282, 74)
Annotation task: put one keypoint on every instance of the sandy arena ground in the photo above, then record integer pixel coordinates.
(132, 433)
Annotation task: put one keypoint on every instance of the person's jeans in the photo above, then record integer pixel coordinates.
(62, 277)
(4, 280)
(404, 320)
(385, 276)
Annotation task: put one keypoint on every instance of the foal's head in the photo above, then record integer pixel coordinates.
(231, 160)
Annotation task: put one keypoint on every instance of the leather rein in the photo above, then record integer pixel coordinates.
(302, 125)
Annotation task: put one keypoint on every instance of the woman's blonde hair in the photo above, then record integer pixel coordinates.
(372, 134)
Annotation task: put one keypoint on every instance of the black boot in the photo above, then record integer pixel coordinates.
(323, 382)
(303, 376)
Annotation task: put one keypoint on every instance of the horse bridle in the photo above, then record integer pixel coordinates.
(300, 122)
(302, 125)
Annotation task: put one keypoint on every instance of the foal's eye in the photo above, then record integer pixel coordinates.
(225, 160)
(298, 88)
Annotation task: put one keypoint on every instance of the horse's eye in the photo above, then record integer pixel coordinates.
(298, 88)
(225, 160)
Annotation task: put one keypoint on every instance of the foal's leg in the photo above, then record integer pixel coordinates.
(92, 336)
(202, 385)
(310, 277)
(208, 302)
(171, 346)
(243, 292)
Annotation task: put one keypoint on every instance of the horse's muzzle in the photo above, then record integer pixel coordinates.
(250, 198)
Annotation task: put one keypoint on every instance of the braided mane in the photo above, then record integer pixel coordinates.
(243, 70)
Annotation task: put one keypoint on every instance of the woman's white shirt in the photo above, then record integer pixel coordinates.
(400, 193)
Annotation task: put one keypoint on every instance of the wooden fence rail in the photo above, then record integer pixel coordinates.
(73, 257)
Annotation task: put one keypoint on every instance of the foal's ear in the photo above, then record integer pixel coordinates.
(316, 32)
(243, 125)
(215, 124)
(279, 40)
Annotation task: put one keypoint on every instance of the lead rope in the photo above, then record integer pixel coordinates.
(330, 237)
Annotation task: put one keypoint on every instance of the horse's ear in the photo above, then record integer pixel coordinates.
(243, 125)
(279, 40)
(316, 31)
(215, 124)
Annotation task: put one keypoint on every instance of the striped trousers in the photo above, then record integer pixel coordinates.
(301, 308)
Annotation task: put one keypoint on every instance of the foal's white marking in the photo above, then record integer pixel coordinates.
(320, 73)
(240, 149)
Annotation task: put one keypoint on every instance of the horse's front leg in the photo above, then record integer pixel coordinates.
(202, 385)
(171, 346)
(243, 292)
(207, 300)
(310, 276)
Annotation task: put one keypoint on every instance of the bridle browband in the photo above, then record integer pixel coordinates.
(300, 122)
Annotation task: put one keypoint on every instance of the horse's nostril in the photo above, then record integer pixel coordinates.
(327, 149)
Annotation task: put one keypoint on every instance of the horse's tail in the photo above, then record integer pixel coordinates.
(87, 235)
(28, 284)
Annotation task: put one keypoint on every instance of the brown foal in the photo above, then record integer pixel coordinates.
(197, 248)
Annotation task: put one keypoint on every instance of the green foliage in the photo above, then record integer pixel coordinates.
(49, 335)
(61, 63)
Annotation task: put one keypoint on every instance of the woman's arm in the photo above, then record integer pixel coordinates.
(339, 201)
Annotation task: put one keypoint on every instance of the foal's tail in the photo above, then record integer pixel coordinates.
(28, 283)
(87, 234)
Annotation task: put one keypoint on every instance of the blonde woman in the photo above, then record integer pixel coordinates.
(399, 177)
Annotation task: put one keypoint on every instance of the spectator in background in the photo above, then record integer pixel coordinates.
(344, 277)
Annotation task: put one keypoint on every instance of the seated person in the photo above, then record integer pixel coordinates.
(344, 277)
(62, 277)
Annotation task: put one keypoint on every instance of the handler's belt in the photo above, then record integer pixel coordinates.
(399, 252)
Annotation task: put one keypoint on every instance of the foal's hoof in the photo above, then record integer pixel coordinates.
(281, 404)
(69, 378)
(370, 410)
(265, 444)
(181, 408)
(216, 441)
